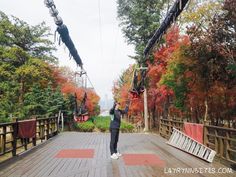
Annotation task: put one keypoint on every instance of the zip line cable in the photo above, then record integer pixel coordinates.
(100, 28)
(90, 82)
(114, 54)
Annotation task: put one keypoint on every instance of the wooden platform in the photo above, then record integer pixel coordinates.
(42, 160)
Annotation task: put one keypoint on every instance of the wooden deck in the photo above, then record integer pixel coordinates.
(41, 161)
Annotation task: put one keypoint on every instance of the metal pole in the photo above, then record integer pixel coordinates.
(146, 128)
(62, 122)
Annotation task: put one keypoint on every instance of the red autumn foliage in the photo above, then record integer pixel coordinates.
(64, 78)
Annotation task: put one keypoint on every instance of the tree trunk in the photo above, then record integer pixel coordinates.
(22, 91)
(227, 108)
(166, 108)
(154, 116)
(206, 110)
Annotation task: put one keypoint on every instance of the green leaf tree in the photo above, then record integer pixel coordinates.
(139, 20)
(34, 40)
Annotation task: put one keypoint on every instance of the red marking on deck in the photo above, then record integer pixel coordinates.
(143, 159)
(75, 153)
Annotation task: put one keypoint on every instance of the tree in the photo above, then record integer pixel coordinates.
(43, 101)
(175, 77)
(25, 53)
(200, 13)
(92, 102)
(159, 94)
(213, 52)
(193, 74)
(30, 81)
(139, 20)
(32, 39)
(34, 102)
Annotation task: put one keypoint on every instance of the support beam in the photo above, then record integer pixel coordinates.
(146, 128)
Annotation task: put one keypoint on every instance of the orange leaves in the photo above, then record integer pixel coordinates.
(124, 94)
(58, 77)
(172, 36)
(154, 74)
(92, 101)
(68, 88)
(172, 39)
(136, 106)
(64, 78)
(163, 93)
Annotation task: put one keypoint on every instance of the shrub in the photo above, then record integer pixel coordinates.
(4, 120)
(102, 123)
(126, 127)
(87, 126)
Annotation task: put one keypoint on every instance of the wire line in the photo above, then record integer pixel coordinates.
(100, 27)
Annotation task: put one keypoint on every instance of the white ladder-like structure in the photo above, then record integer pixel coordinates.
(182, 141)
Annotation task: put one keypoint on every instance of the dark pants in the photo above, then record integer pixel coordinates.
(114, 140)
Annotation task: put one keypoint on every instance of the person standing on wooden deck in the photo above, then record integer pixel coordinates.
(116, 113)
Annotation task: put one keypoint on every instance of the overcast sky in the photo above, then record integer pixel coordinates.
(103, 59)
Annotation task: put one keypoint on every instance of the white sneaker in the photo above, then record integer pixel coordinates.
(118, 154)
(114, 156)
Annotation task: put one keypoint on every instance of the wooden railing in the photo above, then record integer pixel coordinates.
(166, 127)
(220, 139)
(11, 143)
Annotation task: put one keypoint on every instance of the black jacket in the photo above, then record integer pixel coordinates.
(115, 123)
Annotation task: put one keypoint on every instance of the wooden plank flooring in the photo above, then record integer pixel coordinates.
(41, 161)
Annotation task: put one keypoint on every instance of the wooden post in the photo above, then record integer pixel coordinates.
(47, 125)
(221, 147)
(34, 139)
(25, 143)
(206, 111)
(146, 128)
(50, 126)
(14, 143)
(216, 141)
(4, 139)
(227, 155)
(58, 120)
(40, 130)
(169, 127)
(1, 140)
(205, 141)
(159, 125)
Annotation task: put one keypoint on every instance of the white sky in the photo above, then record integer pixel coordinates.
(102, 63)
